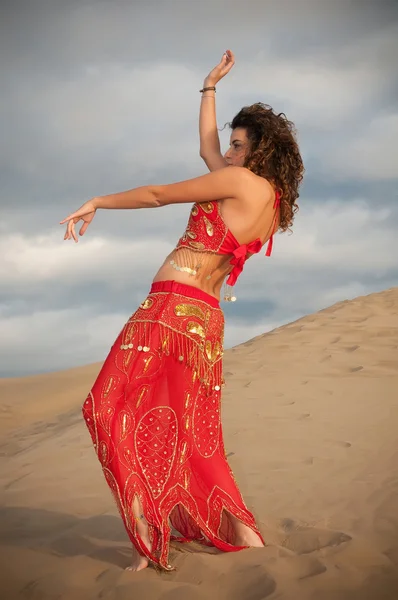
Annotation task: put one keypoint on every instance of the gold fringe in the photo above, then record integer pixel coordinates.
(204, 357)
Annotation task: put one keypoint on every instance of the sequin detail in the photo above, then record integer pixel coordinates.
(154, 418)
(208, 246)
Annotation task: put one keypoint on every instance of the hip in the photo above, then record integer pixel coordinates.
(180, 320)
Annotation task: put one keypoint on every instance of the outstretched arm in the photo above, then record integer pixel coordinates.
(210, 149)
(223, 183)
(230, 182)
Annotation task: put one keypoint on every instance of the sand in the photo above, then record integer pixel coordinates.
(310, 414)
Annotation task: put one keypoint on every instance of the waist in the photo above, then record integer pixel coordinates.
(185, 290)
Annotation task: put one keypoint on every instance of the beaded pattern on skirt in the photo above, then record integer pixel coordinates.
(154, 417)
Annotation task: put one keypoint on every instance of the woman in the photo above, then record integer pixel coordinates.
(154, 410)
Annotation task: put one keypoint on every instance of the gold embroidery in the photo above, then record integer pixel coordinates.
(127, 356)
(219, 500)
(184, 448)
(103, 453)
(147, 303)
(189, 310)
(125, 420)
(206, 424)
(165, 345)
(193, 327)
(155, 445)
(208, 207)
(128, 455)
(208, 349)
(187, 477)
(129, 333)
(149, 367)
(213, 353)
(110, 383)
(209, 227)
(105, 418)
(197, 245)
(142, 392)
(192, 235)
(147, 362)
(194, 210)
(145, 466)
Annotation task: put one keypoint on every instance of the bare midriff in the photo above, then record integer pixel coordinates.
(204, 270)
(202, 258)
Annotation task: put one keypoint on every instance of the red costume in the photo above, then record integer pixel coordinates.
(154, 410)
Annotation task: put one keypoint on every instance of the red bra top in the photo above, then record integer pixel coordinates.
(207, 232)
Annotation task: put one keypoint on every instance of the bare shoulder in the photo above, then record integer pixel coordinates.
(253, 187)
(229, 182)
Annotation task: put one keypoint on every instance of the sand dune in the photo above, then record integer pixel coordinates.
(311, 427)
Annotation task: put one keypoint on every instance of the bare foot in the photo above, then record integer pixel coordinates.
(139, 562)
(249, 540)
(245, 536)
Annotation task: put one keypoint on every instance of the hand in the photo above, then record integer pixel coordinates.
(85, 213)
(224, 66)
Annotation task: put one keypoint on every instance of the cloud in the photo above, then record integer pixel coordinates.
(372, 155)
(54, 340)
(44, 258)
(101, 97)
(83, 293)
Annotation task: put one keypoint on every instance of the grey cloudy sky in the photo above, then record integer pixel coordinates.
(98, 97)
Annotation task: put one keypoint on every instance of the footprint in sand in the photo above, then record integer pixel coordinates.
(303, 416)
(325, 358)
(297, 567)
(339, 443)
(343, 444)
(304, 540)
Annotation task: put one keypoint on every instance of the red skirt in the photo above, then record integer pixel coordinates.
(154, 417)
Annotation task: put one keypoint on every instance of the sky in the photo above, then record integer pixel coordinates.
(102, 96)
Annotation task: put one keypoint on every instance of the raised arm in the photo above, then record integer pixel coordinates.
(210, 149)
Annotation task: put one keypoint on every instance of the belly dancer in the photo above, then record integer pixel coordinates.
(154, 411)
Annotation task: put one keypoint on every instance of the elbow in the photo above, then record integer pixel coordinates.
(203, 153)
(155, 196)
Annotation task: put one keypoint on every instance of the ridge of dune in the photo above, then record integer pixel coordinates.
(310, 416)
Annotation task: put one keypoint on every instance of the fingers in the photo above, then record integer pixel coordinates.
(227, 61)
(70, 231)
(83, 228)
(71, 216)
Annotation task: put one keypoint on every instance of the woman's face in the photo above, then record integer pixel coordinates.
(238, 147)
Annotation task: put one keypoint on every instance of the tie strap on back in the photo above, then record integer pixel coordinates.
(239, 258)
(277, 204)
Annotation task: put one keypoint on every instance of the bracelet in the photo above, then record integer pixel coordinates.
(207, 89)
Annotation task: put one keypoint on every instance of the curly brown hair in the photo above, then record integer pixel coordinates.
(274, 154)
